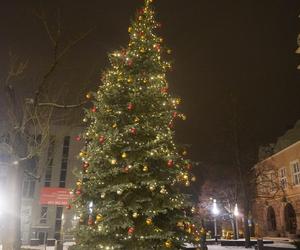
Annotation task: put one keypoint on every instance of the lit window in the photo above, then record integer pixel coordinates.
(296, 172)
(283, 178)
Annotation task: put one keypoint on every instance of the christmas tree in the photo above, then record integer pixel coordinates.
(129, 192)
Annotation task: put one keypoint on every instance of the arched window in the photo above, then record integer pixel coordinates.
(271, 218)
(290, 219)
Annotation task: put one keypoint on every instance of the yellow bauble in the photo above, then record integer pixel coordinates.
(88, 95)
(149, 221)
(129, 80)
(197, 238)
(113, 161)
(78, 183)
(178, 101)
(168, 244)
(136, 119)
(135, 215)
(114, 125)
(142, 50)
(82, 154)
(129, 29)
(124, 155)
(145, 168)
(99, 217)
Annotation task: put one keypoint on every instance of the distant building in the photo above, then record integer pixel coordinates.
(56, 168)
(276, 210)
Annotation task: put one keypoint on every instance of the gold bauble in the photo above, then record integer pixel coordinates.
(82, 154)
(152, 187)
(184, 152)
(136, 119)
(185, 177)
(129, 29)
(187, 184)
(168, 244)
(102, 195)
(99, 217)
(183, 117)
(169, 51)
(114, 125)
(113, 161)
(88, 95)
(193, 179)
(193, 210)
(129, 80)
(149, 221)
(124, 155)
(142, 50)
(145, 168)
(178, 101)
(135, 215)
(197, 238)
(78, 183)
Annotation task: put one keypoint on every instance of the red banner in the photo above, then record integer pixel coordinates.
(55, 196)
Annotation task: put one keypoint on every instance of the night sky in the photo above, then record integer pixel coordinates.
(244, 49)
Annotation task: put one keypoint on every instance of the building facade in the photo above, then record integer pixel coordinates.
(277, 207)
(56, 168)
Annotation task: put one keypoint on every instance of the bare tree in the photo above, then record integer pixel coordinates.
(25, 132)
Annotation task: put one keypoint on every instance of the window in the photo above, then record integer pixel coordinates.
(28, 187)
(58, 222)
(273, 181)
(296, 172)
(50, 156)
(43, 218)
(64, 162)
(282, 178)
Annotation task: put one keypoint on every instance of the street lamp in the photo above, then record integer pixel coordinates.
(236, 214)
(215, 211)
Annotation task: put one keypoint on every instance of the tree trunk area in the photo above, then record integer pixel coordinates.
(11, 234)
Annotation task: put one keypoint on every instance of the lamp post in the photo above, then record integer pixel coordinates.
(236, 214)
(215, 212)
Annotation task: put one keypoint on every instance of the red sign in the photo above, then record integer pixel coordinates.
(55, 196)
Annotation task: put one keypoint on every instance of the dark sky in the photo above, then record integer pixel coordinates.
(219, 47)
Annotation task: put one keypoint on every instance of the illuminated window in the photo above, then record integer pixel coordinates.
(283, 178)
(296, 172)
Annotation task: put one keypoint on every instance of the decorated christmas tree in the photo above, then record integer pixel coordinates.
(129, 195)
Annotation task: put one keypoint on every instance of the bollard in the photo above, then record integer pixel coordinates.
(260, 244)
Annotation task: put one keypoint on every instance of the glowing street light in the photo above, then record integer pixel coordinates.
(215, 211)
(236, 214)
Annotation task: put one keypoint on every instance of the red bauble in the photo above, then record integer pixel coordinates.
(78, 192)
(94, 109)
(188, 166)
(157, 46)
(175, 114)
(133, 131)
(78, 138)
(130, 106)
(101, 139)
(164, 90)
(129, 62)
(141, 11)
(90, 221)
(85, 165)
(130, 230)
(69, 207)
(126, 170)
(170, 163)
(171, 125)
